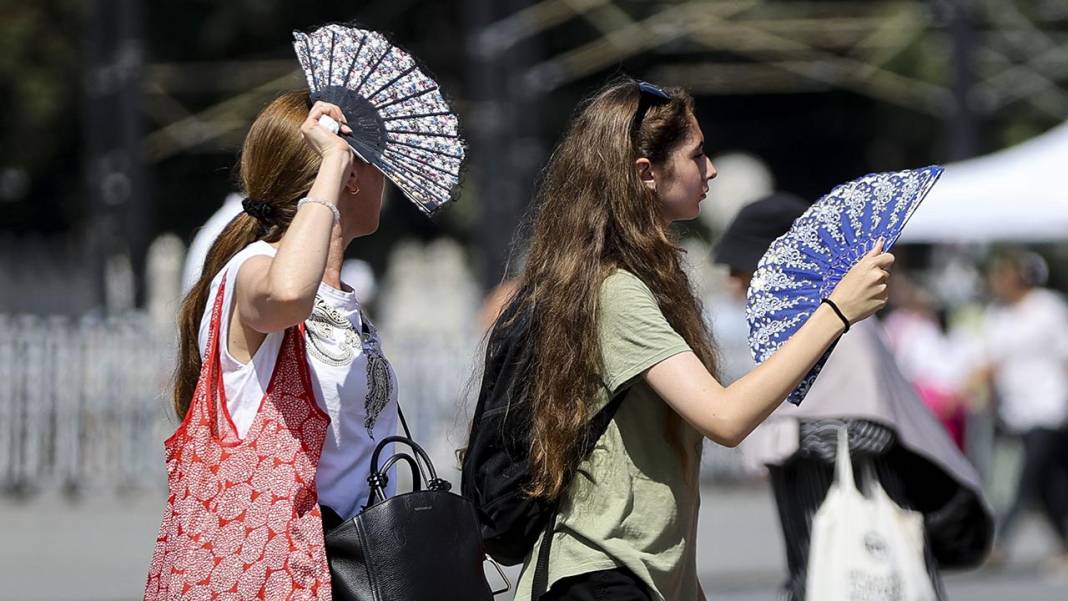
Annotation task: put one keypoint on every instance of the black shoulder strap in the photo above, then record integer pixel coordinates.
(540, 584)
(599, 422)
(598, 425)
(404, 423)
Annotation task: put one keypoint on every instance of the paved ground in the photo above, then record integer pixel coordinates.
(97, 549)
(741, 556)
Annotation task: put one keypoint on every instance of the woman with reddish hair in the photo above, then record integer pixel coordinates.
(281, 386)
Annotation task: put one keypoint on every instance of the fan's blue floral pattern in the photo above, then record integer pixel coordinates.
(804, 265)
(411, 135)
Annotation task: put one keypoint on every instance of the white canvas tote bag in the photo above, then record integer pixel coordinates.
(865, 549)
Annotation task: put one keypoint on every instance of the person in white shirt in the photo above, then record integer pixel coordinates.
(280, 263)
(205, 237)
(1026, 344)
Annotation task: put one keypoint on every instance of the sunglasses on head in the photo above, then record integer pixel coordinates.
(652, 90)
(649, 94)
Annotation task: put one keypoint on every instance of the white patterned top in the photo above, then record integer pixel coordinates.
(353, 383)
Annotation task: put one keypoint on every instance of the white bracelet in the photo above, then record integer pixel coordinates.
(306, 200)
(328, 122)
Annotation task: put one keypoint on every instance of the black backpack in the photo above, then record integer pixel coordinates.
(496, 465)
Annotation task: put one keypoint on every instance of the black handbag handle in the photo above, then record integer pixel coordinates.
(378, 478)
(417, 480)
(404, 440)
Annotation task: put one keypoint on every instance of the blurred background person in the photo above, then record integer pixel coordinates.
(205, 237)
(357, 273)
(935, 364)
(889, 428)
(1026, 346)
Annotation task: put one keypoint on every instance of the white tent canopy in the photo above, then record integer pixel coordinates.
(1018, 194)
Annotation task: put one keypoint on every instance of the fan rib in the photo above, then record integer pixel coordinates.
(405, 99)
(424, 133)
(399, 169)
(421, 162)
(414, 169)
(330, 65)
(371, 68)
(355, 59)
(405, 180)
(311, 64)
(424, 148)
(390, 82)
(446, 177)
(398, 117)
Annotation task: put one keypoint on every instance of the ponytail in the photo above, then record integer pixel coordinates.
(277, 168)
(239, 233)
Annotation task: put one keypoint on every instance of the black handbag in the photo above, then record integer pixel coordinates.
(424, 545)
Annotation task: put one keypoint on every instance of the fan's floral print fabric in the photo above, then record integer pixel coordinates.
(803, 266)
(242, 520)
(400, 121)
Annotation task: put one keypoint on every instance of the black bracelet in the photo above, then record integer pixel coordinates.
(830, 303)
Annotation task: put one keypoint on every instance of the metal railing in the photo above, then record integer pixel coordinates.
(83, 401)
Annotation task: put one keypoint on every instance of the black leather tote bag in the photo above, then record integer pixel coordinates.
(424, 545)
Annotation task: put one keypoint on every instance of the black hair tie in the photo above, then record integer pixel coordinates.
(830, 303)
(262, 211)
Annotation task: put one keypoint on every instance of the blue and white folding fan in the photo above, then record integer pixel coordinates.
(400, 122)
(804, 265)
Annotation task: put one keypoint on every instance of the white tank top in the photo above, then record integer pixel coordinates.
(352, 380)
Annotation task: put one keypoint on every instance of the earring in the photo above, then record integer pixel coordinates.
(352, 191)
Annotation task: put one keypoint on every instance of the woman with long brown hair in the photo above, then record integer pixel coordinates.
(613, 314)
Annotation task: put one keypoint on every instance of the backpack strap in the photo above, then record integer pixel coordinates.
(540, 584)
(598, 425)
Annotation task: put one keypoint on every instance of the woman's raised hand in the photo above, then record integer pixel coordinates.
(321, 139)
(862, 290)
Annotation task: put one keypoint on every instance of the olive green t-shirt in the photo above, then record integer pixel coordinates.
(633, 502)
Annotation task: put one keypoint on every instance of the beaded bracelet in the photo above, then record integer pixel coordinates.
(306, 200)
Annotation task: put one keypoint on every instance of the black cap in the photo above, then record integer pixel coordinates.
(755, 227)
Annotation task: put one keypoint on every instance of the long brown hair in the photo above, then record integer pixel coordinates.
(594, 215)
(277, 167)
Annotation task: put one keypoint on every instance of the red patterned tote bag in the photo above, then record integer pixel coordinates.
(242, 520)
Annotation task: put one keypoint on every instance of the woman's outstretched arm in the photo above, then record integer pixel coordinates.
(728, 414)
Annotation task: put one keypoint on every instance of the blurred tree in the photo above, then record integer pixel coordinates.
(822, 90)
(40, 136)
